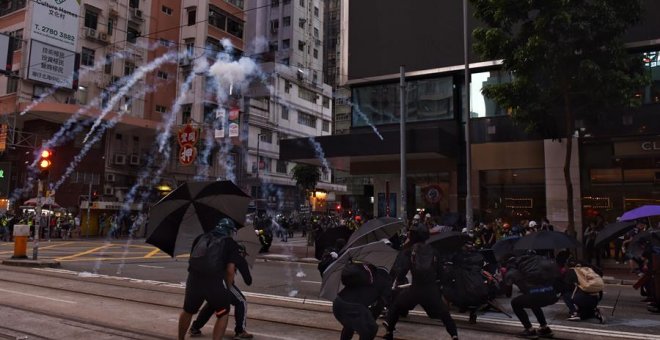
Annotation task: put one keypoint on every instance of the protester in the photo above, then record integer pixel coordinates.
(422, 261)
(583, 289)
(211, 269)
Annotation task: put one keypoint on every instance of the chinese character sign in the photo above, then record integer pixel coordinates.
(187, 154)
(187, 138)
(234, 122)
(52, 65)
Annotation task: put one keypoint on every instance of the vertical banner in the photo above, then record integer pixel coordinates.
(187, 138)
(234, 127)
(220, 115)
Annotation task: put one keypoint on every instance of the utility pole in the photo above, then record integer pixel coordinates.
(402, 116)
(37, 221)
(258, 166)
(468, 145)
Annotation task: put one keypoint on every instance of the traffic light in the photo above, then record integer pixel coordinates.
(44, 163)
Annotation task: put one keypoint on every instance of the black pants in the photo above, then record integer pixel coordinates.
(240, 310)
(586, 304)
(430, 298)
(355, 318)
(534, 302)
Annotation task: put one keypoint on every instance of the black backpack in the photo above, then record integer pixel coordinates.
(206, 257)
(538, 270)
(424, 263)
(357, 275)
(466, 287)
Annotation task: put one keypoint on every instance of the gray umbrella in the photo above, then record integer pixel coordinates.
(247, 237)
(377, 253)
(374, 230)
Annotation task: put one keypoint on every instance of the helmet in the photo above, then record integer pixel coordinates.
(418, 233)
(427, 215)
(416, 217)
(225, 227)
(506, 226)
(532, 224)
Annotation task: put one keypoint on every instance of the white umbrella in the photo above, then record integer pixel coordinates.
(247, 237)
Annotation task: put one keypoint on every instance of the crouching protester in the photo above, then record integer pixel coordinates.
(583, 290)
(211, 271)
(356, 307)
(536, 277)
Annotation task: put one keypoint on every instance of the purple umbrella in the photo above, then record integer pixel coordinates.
(641, 212)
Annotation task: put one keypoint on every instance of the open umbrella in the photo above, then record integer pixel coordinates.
(612, 231)
(448, 242)
(377, 253)
(504, 247)
(545, 240)
(375, 230)
(641, 212)
(247, 237)
(193, 209)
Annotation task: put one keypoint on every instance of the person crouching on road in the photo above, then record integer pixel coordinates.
(581, 296)
(211, 270)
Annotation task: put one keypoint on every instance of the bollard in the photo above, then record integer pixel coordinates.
(21, 234)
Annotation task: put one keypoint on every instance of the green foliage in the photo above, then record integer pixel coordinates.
(306, 176)
(566, 56)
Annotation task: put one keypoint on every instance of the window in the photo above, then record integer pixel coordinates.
(111, 26)
(286, 44)
(166, 10)
(306, 119)
(480, 105)
(274, 26)
(325, 126)
(192, 16)
(266, 136)
(91, 19)
(274, 3)
(315, 79)
(287, 85)
(119, 136)
(316, 33)
(131, 35)
(286, 21)
(129, 68)
(237, 3)
(186, 112)
(302, 3)
(316, 54)
(133, 3)
(301, 45)
(160, 109)
(165, 42)
(107, 68)
(12, 84)
(235, 28)
(162, 75)
(190, 46)
(281, 167)
(265, 164)
(87, 57)
(285, 61)
(307, 95)
(301, 23)
(286, 2)
(316, 11)
(285, 112)
(217, 18)
(18, 40)
(326, 102)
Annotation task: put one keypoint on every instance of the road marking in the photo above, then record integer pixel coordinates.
(84, 252)
(315, 282)
(152, 253)
(36, 296)
(147, 266)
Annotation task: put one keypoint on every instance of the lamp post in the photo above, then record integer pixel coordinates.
(468, 147)
(258, 163)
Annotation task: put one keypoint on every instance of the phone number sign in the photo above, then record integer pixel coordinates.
(56, 22)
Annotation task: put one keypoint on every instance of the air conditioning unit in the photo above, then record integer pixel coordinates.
(103, 36)
(113, 12)
(184, 61)
(110, 178)
(108, 191)
(120, 159)
(90, 33)
(136, 14)
(135, 159)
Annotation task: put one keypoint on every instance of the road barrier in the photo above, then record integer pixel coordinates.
(21, 234)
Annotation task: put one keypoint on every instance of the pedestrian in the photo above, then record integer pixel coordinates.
(211, 270)
(545, 224)
(237, 300)
(590, 235)
(583, 290)
(536, 277)
(422, 261)
(366, 291)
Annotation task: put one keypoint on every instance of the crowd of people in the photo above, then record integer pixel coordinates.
(60, 225)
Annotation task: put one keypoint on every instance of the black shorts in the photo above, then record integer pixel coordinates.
(212, 290)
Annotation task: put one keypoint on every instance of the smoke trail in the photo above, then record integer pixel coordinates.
(320, 154)
(209, 145)
(366, 119)
(134, 78)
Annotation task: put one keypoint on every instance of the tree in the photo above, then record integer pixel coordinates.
(306, 176)
(567, 60)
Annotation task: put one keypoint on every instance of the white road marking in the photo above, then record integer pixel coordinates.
(147, 266)
(315, 282)
(37, 296)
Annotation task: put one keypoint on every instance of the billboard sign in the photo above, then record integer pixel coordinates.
(56, 22)
(6, 53)
(51, 65)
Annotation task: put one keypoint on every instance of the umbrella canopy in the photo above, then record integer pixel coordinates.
(448, 242)
(375, 230)
(377, 253)
(247, 237)
(612, 231)
(328, 238)
(193, 209)
(641, 212)
(45, 202)
(504, 247)
(545, 240)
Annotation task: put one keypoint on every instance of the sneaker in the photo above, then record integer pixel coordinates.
(195, 332)
(573, 317)
(528, 334)
(243, 335)
(545, 332)
(600, 316)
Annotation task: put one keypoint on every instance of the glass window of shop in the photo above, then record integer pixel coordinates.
(427, 99)
(512, 194)
(480, 105)
(651, 93)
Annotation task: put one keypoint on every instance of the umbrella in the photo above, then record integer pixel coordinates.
(449, 241)
(377, 253)
(641, 212)
(193, 209)
(546, 239)
(612, 231)
(328, 238)
(247, 237)
(504, 247)
(375, 230)
(45, 202)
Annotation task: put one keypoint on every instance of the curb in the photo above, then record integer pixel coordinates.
(288, 258)
(31, 263)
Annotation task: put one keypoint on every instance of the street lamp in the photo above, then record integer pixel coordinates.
(468, 146)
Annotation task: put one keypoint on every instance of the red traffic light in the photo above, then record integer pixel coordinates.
(46, 153)
(44, 163)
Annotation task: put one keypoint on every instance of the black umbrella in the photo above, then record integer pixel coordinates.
(545, 240)
(612, 231)
(193, 209)
(329, 238)
(448, 241)
(375, 230)
(504, 247)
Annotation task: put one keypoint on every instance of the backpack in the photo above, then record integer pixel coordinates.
(424, 263)
(467, 287)
(357, 275)
(588, 280)
(538, 270)
(206, 257)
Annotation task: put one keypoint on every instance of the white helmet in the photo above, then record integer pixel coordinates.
(532, 224)
(416, 217)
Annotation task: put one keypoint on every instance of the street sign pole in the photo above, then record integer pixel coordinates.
(37, 221)
(89, 204)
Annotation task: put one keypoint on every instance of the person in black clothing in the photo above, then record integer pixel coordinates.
(212, 286)
(357, 308)
(581, 305)
(237, 300)
(424, 289)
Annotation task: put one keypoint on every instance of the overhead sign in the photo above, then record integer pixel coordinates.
(52, 65)
(56, 22)
(6, 53)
